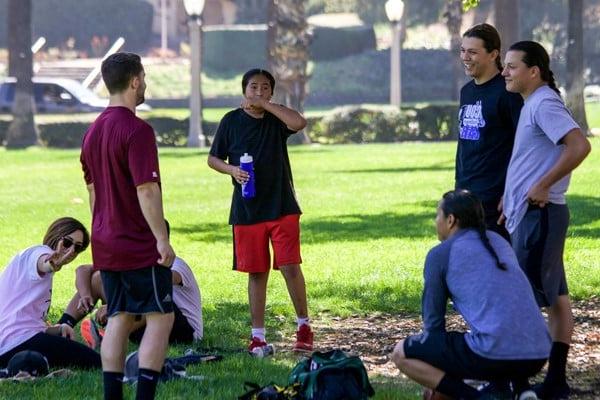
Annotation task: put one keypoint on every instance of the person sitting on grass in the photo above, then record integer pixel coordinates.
(478, 271)
(26, 289)
(187, 306)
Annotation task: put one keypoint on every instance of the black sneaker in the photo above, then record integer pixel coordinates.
(547, 392)
(499, 390)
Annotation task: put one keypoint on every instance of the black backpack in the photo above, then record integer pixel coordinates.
(332, 376)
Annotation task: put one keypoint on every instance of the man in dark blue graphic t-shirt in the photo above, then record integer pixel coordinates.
(488, 118)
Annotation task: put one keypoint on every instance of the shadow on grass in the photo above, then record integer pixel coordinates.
(337, 228)
(208, 232)
(396, 170)
(585, 211)
(365, 227)
(392, 298)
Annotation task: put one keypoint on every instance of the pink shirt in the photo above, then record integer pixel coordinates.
(187, 297)
(118, 154)
(24, 298)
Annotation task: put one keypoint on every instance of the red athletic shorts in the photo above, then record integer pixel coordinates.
(251, 244)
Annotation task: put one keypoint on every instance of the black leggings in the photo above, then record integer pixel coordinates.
(59, 352)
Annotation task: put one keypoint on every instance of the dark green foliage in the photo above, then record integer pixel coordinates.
(57, 20)
(231, 49)
(170, 132)
(62, 135)
(371, 11)
(357, 124)
(332, 43)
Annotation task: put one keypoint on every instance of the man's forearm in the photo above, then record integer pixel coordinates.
(150, 199)
(576, 149)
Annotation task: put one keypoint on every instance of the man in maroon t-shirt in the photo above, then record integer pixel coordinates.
(130, 245)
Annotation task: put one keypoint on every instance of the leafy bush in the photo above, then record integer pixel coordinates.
(57, 20)
(169, 132)
(363, 124)
(247, 45)
(332, 43)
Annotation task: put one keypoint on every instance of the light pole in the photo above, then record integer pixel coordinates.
(194, 9)
(394, 10)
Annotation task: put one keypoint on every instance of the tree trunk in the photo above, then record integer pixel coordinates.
(288, 41)
(453, 14)
(575, 81)
(507, 22)
(21, 132)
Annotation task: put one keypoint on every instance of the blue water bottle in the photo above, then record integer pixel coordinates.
(248, 188)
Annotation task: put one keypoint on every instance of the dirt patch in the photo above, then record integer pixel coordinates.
(374, 337)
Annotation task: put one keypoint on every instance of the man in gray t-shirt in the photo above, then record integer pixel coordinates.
(548, 146)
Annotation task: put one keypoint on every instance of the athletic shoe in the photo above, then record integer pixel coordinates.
(304, 339)
(91, 333)
(260, 348)
(496, 390)
(526, 395)
(558, 392)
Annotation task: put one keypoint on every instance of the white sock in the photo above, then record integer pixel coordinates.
(258, 333)
(302, 321)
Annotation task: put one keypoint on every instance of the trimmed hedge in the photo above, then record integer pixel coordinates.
(332, 43)
(57, 20)
(234, 48)
(362, 124)
(246, 45)
(170, 132)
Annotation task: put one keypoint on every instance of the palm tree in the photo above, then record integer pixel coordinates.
(507, 22)
(453, 14)
(575, 81)
(22, 131)
(288, 55)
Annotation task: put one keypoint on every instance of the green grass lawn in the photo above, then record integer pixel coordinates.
(367, 225)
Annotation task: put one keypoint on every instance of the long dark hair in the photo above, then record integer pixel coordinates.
(468, 211)
(63, 227)
(536, 55)
(490, 37)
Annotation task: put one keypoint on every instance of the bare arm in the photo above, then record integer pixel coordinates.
(576, 149)
(291, 118)
(92, 196)
(150, 199)
(83, 284)
(177, 280)
(221, 166)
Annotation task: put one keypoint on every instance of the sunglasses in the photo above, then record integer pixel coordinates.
(68, 242)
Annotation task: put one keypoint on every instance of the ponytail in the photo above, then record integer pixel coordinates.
(551, 81)
(488, 246)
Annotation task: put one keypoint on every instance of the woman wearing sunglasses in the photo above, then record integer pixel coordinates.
(26, 287)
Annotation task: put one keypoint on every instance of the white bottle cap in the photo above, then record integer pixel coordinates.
(246, 158)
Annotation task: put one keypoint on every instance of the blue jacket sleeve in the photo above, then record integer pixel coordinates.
(435, 292)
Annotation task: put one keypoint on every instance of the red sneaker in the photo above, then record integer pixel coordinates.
(304, 339)
(91, 333)
(260, 348)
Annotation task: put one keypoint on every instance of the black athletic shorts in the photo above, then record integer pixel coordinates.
(140, 291)
(539, 242)
(449, 352)
(182, 332)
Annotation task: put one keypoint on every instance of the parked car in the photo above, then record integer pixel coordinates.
(57, 95)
